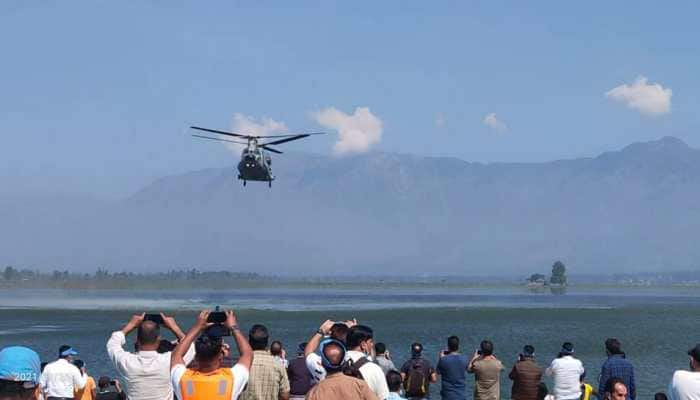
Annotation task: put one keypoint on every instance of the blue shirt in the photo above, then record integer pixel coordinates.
(453, 369)
(617, 366)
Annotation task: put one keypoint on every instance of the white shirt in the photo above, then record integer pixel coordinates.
(60, 378)
(372, 374)
(240, 379)
(146, 373)
(566, 372)
(685, 385)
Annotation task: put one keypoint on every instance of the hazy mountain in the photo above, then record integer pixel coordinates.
(629, 210)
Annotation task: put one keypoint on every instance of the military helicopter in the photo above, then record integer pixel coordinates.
(255, 164)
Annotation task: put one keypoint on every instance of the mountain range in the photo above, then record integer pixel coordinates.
(630, 210)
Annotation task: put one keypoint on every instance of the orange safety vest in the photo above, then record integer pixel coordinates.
(215, 385)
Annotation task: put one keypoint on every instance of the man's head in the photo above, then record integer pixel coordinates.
(332, 355)
(528, 351)
(452, 344)
(258, 337)
(694, 354)
(80, 364)
(613, 346)
(339, 331)
(208, 351)
(276, 348)
(20, 370)
(615, 389)
(379, 348)
(104, 382)
(567, 349)
(148, 336)
(416, 350)
(486, 348)
(66, 352)
(301, 348)
(393, 380)
(361, 338)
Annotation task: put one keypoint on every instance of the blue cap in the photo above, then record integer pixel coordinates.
(20, 364)
(327, 364)
(66, 350)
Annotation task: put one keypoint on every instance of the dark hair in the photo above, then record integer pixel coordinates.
(79, 363)
(104, 382)
(165, 346)
(416, 349)
(611, 383)
(486, 348)
(339, 331)
(453, 343)
(613, 346)
(207, 348)
(528, 350)
(276, 348)
(567, 349)
(148, 333)
(258, 337)
(15, 390)
(380, 348)
(393, 380)
(62, 349)
(660, 396)
(358, 334)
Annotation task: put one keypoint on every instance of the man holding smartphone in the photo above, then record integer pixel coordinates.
(146, 373)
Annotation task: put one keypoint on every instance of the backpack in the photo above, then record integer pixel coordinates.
(416, 383)
(352, 368)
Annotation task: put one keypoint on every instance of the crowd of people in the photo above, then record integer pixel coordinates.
(340, 361)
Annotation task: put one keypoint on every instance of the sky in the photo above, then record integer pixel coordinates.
(96, 97)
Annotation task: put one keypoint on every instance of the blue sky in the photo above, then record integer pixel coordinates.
(95, 97)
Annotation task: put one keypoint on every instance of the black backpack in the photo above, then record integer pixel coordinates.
(416, 383)
(352, 368)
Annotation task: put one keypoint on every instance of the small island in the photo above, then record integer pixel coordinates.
(557, 283)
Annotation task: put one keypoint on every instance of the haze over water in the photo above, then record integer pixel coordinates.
(655, 326)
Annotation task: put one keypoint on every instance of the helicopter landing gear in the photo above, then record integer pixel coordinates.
(244, 182)
(269, 183)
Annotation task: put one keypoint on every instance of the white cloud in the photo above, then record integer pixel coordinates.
(357, 132)
(650, 99)
(247, 125)
(494, 123)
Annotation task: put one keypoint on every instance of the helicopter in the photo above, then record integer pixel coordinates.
(255, 164)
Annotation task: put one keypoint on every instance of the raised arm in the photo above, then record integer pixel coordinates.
(323, 330)
(171, 324)
(177, 356)
(244, 350)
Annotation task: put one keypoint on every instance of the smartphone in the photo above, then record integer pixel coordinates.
(157, 318)
(217, 317)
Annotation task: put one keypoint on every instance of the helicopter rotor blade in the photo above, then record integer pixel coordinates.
(252, 136)
(295, 137)
(221, 132)
(270, 149)
(220, 140)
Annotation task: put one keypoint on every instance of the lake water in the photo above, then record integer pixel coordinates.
(656, 327)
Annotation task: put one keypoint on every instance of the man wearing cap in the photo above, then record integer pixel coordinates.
(417, 374)
(685, 385)
(566, 372)
(337, 385)
(20, 369)
(61, 378)
(526, 376)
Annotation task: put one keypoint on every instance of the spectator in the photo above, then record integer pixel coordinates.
(617, 366)
(452, 368)
(300, 380)
(615, 389)
(108, 389)
(334, 330)
(487, 372)
(393, 381)
(685, 385)
(61, 378)
(586, 389)
(268, 378)
(146, 372)
(383, 358)
(90, 389)
(360, 344)
(280, 355)
(417, 374)
(566, 372)
(209, 380)
(337, 385)
(526, 376)
(20, 371)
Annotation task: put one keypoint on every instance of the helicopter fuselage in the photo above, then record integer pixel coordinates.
(255, 165)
